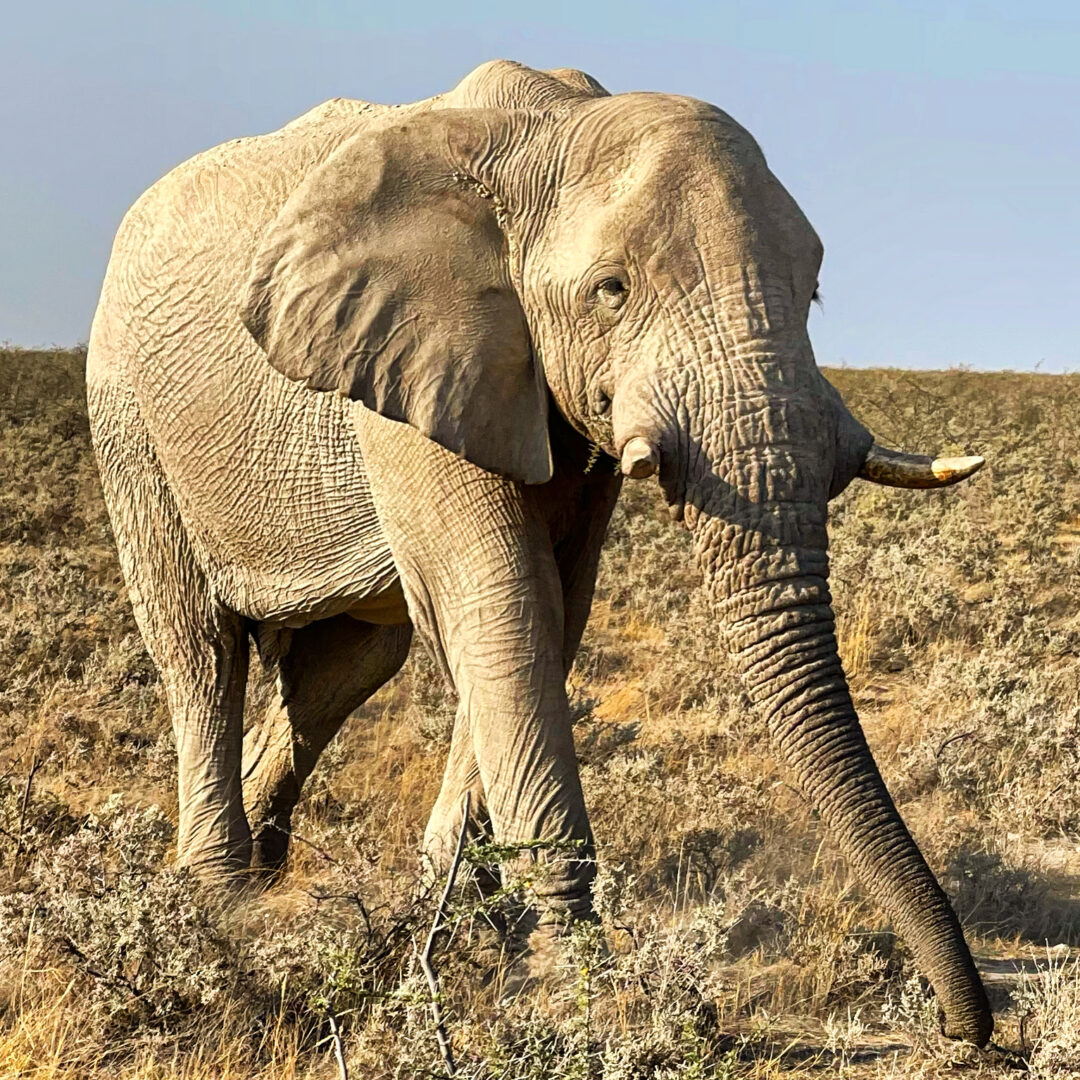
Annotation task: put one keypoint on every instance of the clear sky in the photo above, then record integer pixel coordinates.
(934, 145)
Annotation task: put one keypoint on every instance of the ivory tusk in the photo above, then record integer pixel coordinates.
(894, 469)
(639, 459)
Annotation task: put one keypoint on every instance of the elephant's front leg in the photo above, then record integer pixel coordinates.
(480, 576)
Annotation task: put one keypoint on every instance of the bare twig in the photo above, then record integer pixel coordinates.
(952, 739)
(34, 763)
(354, 898)
(436, 925)
(339, 1050)
(325, 856)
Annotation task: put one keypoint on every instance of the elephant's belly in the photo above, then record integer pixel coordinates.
(385, 608)
(305, 591)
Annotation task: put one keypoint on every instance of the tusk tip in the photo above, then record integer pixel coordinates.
(951, 470)
(639, 459)
(896, 469)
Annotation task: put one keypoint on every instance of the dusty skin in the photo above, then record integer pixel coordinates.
(376, 371)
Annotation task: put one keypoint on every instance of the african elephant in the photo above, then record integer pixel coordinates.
(507, 295)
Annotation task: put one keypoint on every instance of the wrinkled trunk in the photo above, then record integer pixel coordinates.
(763, 551)
(752, 442)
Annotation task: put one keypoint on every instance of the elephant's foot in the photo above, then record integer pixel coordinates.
(219, 858)
(223, 881)
(537, 963)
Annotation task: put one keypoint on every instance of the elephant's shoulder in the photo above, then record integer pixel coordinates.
(240, 184)
(264, 168)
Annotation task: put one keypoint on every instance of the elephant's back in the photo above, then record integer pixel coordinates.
(267, 474)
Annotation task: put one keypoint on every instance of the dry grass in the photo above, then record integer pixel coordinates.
(737, 943)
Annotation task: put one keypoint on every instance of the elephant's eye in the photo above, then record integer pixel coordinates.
(611, 292)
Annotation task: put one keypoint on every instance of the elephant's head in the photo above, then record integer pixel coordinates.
(633, 256)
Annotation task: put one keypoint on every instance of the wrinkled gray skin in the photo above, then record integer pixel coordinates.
(450, 269)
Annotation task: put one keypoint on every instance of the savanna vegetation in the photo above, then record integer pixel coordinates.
(734, 941)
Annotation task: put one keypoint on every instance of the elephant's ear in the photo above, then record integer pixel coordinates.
(386, 276)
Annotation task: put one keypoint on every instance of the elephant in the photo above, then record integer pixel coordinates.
(386, 368)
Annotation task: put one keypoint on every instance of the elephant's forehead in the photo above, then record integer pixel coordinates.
(674, 181)
(663, 164)
(652, 134)
(665, 181)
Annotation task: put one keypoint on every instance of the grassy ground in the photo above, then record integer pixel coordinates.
(737, 944)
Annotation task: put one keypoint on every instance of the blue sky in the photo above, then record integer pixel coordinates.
(935, 146)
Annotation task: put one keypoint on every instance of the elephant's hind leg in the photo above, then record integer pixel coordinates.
(330, 669)
(199, 646)
(462, 774)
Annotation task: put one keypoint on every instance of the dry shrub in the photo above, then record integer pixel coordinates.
(1050, 1009)
(159, 964)
(1001, 737)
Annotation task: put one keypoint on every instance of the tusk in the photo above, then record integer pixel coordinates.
(639, 459)
(893, 469)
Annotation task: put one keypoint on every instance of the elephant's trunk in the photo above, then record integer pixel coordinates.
(783, 636)
(752, 483)
(750, 442)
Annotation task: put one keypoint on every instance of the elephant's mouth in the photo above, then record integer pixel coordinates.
(673, 485)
